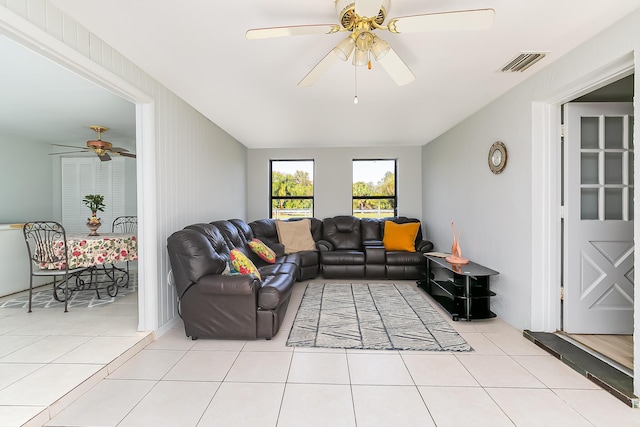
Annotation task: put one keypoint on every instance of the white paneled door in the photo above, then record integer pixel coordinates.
(598, 224)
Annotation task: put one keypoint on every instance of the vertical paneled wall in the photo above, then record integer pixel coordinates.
(194, 157)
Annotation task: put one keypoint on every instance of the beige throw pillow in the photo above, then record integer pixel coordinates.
(295, 235)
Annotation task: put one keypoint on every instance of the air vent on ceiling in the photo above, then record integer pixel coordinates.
(522, 62)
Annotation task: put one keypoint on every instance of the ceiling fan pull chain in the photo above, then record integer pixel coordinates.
(355, 85)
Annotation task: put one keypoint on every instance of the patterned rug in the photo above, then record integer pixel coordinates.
(371, 316)
(43, 297)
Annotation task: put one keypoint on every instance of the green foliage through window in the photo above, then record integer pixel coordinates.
(374, 188)
(291, 188)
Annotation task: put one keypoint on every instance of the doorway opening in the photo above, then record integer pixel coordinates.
(597, 298)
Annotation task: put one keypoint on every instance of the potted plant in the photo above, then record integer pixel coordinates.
(95, 202)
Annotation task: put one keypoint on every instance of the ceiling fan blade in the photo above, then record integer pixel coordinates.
(318, 70)
(68, 152)
(105, 157)
(128, 155)
(368, 8)
(72, 146)
(117, 149)
(297, 30)
(478, 19)
(396, 68)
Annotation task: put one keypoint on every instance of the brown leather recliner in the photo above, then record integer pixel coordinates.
(215, 305)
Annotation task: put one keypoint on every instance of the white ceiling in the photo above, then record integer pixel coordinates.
(198, 49)
(44, 103)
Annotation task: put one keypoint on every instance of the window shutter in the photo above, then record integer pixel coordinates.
(82, 176)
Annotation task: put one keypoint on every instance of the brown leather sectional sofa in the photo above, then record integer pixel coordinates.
(213, 304)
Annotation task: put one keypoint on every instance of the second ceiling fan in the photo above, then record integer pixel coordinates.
(362, 18)
(101, 148)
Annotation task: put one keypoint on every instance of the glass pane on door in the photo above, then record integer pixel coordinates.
(613, 203)
(589, 133)
(613, 168)
(589, 168)
(613, 132)
(589, 203)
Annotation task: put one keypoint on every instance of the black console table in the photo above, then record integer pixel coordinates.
(461, 289)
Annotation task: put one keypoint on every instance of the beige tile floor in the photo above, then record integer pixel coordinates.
(89, 369)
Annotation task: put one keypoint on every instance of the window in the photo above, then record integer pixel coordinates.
(291, 188)
(374, 188)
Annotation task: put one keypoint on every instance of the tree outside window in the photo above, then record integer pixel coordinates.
(374, 188)
(291, 188)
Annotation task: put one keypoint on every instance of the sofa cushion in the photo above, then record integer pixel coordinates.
(295, 235)
(263, 251)
(193, 255)
(371, 229)
(242, 264)
(406, 258)
(281, 268)
(400, 237)
(343, 258)
(213, 235)
(343, 232)
(232, 236)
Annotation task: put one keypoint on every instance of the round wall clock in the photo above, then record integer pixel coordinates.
(497, 157)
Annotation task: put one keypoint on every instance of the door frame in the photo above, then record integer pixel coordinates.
(32, 37)
(546, 179)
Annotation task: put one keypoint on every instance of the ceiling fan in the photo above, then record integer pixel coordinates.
(98, 146)
(362, 18)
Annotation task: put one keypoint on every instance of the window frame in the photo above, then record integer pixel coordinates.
(395, 185)
(271, 196)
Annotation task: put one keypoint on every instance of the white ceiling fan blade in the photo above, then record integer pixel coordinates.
(479, 19)
(396, 68)
(297, 30)
(368, 8)
(318, 70)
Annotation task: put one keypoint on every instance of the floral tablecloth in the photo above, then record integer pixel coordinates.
(88, 251)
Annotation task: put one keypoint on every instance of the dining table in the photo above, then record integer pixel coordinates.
(100, 254)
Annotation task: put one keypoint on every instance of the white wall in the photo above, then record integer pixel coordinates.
(26, 190)
(194, 159)
(495, 211)
(333, 177)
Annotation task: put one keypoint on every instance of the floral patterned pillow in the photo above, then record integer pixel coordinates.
(242, 264)
(262, 250)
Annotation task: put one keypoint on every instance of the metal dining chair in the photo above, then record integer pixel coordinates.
(47, 248)
(125, 224)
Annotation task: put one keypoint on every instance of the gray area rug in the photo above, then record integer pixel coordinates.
(381, 316)
(43, 297)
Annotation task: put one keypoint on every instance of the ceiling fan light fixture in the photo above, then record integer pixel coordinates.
(360, 58)
(379, 48)
(344, 49)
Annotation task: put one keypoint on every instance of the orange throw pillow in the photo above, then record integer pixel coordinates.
(400, 237)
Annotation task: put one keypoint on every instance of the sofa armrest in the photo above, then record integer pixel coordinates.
(424, 246)
(237, 284)
(325, 246)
